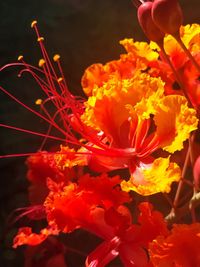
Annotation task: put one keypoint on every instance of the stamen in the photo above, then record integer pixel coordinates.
(56, 57)
(38, 101)
(20, 58)
(31, 132)
(33, 23)
(60, 80)
(41, 62)
(40, 39)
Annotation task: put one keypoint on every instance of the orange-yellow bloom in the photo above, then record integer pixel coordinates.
(136, 118)
(178, 249)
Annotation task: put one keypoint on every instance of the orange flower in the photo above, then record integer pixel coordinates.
(180, 248)
(138, 56)
(70, 206)
(43, 165)
(135, 118)
(190, 35)
(126, 240)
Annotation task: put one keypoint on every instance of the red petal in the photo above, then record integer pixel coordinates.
(103, 254)
(133, 256)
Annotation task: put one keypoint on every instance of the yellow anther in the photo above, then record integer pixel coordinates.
(41, 62)
(20, 58)
(60, 80)
(56, 57)
(40, 39)
(38, 101)
(33, 23)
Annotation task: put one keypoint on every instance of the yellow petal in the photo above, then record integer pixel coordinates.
(174, 121)
(149, 179)
(111, 104)
(139, 49)
(68, 158)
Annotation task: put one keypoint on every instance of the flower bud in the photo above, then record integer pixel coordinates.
(196, 173)
(152, 32)
(167, 15)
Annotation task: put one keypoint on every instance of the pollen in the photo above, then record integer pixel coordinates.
(59, 80)
(33, 23)
(40, 39)
(41, 62)
(38, 101)
(20, 58)
(56, 57)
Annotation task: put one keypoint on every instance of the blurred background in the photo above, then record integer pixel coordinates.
(83, 32)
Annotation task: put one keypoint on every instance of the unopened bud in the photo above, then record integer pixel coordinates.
(146, 22)
(167, 15)
(196, 173)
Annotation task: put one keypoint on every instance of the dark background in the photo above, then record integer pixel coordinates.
(83, 32)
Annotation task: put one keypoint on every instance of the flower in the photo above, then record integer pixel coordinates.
(131, 115)
(70, 206)
(122, 122)
(179, 248)
(127, 240)
(188, 73)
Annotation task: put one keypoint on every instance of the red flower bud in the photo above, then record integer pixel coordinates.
(152, 32)
(167, 15)
(196, 173)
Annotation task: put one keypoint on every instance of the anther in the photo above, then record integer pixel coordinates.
(38, 101)
(56, 57)
(40, 39)
(20, 58)
(41, 62)
(33, 23)
(59, 80)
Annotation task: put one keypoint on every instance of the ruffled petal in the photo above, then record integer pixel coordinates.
(110, 106)
(179, 248)
(175, 121)
(149, 179)
(26, 237)
(139, 49)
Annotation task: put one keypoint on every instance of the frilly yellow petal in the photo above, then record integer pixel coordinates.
(113, 102)
(154, 178)
(139, 49)
(175, 121)
(190, 35)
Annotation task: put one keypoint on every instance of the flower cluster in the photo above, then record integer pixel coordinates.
(120, 144)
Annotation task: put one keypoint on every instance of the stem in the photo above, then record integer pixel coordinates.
(180, 212)
(176, 74)
(137, 3)
(190, 206)
(181, 183)
(187, 52)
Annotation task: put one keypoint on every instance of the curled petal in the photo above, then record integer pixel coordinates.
(112, 104)
(174, 121)
(149, 179)
(26, 237)
(94, 75)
